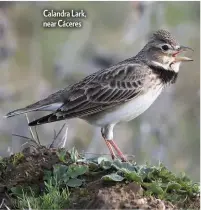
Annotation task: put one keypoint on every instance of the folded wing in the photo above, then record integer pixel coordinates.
(100, 91)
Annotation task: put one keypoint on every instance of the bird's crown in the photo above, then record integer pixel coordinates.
(164, 36)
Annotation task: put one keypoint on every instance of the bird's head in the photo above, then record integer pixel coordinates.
(164, 51)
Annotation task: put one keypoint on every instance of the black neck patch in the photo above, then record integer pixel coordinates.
(166, 76)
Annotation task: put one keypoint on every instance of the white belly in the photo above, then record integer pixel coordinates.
(126, 111)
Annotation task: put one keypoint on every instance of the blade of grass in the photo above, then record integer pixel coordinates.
(25, 137)
(30, 129)
(37, 135)
(63, 142)
(56, 135)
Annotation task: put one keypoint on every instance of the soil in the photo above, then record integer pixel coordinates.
(119, 196)
(27, 169)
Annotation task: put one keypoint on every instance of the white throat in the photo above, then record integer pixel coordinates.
(167, 66)
(175, 66)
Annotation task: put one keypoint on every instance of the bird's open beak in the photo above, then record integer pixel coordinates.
(182, 58)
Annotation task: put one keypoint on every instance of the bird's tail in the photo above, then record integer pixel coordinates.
(19, 111)
(34, 107)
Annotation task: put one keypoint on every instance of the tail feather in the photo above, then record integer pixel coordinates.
(46, 119)
(48, 107)
(19, 111)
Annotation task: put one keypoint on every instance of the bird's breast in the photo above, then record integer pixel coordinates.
(126, 111)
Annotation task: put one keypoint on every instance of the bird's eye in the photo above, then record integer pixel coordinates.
(165, 47)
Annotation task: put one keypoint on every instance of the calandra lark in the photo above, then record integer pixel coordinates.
(118, 93)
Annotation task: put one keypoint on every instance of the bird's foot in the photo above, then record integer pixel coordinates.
(111, 144)
(123, 158)
(119, 152)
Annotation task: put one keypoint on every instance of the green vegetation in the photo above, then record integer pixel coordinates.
(156, 180)
(55, 185)
(54, 197)
(17, 158)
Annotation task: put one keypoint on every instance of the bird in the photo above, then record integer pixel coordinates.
(118, 93)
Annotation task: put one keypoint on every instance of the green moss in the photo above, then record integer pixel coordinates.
(17, 158)
(83, 192)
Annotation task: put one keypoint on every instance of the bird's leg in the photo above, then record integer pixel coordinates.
(119, 152)
(110, 149)
(107, 133)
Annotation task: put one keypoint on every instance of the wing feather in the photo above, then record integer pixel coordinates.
(100, 91)
(105, 90)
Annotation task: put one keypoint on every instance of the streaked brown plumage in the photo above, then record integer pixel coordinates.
(118, 93)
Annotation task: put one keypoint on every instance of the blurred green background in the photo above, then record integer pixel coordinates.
(37, 61)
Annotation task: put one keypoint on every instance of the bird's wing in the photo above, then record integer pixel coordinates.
(100, 91)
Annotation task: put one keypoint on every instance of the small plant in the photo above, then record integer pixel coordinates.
(156, 180)
(2, 164)
(53, 197)
(74, 155)
(66, 175)
(61, 153)
(17, 158)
